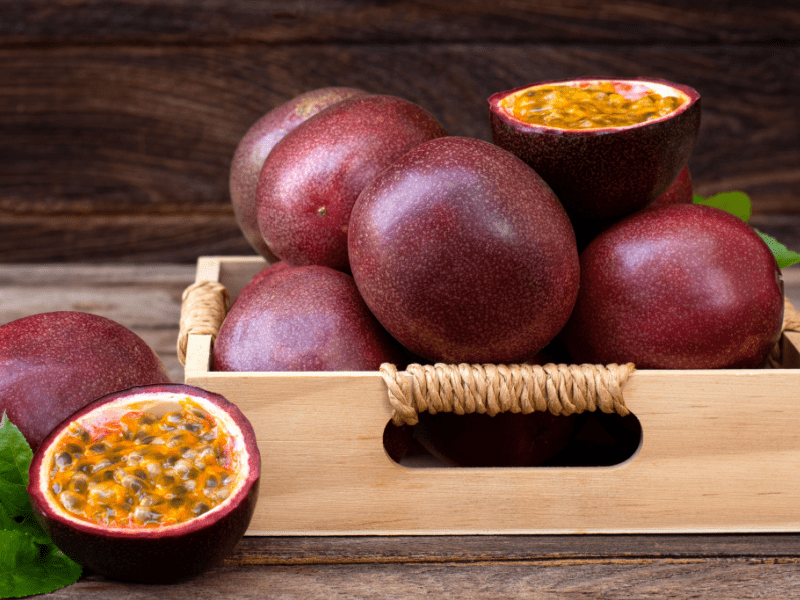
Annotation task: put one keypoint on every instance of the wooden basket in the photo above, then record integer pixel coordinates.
(720, 451)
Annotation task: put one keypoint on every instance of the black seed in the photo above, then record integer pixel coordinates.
(200, 508)
(97, 448)
(147, 420)
(74, 449)
(211, 482)
(64, 459)
(192, 427)
(176, 502)
(167, 480)
(140, 474)
(178, 490)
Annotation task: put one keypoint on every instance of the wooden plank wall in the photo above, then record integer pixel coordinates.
(118, 118)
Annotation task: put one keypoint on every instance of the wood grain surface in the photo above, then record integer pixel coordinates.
(120, 118)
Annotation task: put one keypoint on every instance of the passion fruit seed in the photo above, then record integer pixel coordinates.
(588, 107)
(142, 477)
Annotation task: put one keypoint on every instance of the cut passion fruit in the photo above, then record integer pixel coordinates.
(607, 147)
(151, 484)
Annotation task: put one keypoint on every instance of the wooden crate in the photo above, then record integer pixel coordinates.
(720, 452)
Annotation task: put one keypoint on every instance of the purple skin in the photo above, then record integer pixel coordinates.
(257, 143)
(303, 319)
(52, 364)
(682, 286)
(603, 173)
(680, 191)
(152, 555)
(267, 271)
(464, 254)
(312, 177)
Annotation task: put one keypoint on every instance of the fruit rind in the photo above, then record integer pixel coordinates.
(164, 554)
(603, 173)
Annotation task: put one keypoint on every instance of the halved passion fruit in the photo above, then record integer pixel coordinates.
(152, 484)
(607, 147)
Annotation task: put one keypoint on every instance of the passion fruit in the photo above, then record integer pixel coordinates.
(52, 364)
(257, 143)
(149, 484)
(607, 147)
(308, 318)
(682, 286)
(312, 177)
(464, 253)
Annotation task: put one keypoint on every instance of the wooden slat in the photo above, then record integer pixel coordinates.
(471, 21)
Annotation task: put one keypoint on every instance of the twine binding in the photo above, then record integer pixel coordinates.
(491, 389)
(204, 305)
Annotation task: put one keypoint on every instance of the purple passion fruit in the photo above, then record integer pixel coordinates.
(257, 143)
(464, 253)
(150, 484)
(52, 364)
(682, 286)
(312, 177)
(308, 318)
(607, 147)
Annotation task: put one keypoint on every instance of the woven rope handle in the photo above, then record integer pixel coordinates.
(491, 389)
(204, 305)
(791, 322)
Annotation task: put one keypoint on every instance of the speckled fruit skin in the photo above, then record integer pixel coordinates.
(303, 319)
(680, 191)
(267, 271)
(677, 287)
(52, 364)
(603, 173)
(312, 177)
(257, 143)
(464, 253)
(153, 555)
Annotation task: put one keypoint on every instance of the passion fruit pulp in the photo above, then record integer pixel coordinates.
(604, 153)
(151, 484)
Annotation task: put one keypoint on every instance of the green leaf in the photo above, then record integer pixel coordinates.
(736, 203)
(28, 567)
(15, 458)
(29, 562)
(784, 256)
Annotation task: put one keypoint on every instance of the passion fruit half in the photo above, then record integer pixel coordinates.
(607, 147)
(151, 484)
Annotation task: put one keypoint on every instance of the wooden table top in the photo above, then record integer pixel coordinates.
(146, 298)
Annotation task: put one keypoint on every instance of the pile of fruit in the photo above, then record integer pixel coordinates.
(573, 235)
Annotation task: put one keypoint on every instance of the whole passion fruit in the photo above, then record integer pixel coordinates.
(464, 253)
(308, 318)
(312, 177)
(257, 143)
(150, 484)
(52, 364)
(607, 147)
(682, 286)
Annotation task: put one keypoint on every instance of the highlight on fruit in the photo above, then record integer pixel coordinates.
(153, 484)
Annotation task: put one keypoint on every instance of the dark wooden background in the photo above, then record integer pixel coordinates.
(118, 118)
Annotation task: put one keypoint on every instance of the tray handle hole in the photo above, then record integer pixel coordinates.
(590, 439)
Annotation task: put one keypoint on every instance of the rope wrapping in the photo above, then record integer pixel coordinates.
(492, 389)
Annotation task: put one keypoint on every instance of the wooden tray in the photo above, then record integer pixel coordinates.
(720, 452)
